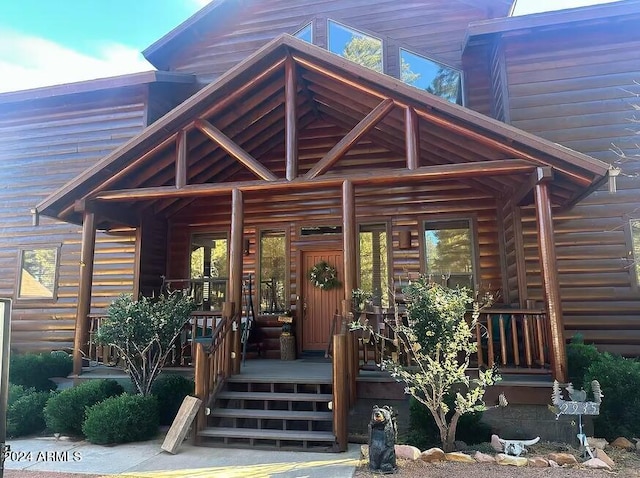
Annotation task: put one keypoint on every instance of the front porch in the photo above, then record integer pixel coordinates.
(342, 166)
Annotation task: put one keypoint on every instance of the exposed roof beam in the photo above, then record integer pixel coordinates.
(539, 175)
(375, 177)
(351, 138)
(226, 143)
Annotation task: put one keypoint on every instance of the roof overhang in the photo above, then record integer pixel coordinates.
(337, 90)
(478, 32)
(100, 84)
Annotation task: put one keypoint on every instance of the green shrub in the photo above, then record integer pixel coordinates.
(35, 370)
(579, 357)
(619, 379)
(65, 411)
(170, 391)
(424, 433)
(15, 392)
(122, 419)
(25, 414)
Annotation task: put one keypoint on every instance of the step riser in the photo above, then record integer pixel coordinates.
(275, 415)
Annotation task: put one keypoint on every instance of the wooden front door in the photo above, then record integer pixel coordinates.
(319, 306)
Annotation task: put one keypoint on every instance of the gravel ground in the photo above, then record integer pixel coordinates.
(627, 466)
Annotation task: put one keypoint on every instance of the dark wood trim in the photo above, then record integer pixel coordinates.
(349, 238)
(137, 261)
(81, 338)
(550, 285)
(372, 177)
(502, 251)
(108, 212)
(291, 129)
(231, 147)
(181, 159)
(521, 265)
(351, 138)
(412, 138)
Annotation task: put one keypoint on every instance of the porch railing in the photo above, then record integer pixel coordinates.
(213, 363)
(513, 338)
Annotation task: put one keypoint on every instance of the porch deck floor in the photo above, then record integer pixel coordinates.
(286, 371)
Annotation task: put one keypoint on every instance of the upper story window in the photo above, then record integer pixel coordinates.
(355, 46)
(431, 76)
(305, 33)
(38, 273)
(449, 253)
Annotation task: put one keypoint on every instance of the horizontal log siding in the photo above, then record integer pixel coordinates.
(403, 207)
(572, 88)
(432, 28)
(43, 145)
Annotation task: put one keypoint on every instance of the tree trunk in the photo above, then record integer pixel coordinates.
(450, 445)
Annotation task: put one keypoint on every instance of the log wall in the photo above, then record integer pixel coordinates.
(432, 28)
(576, 88)
(44, 144)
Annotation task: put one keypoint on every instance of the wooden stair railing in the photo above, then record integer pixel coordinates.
(213, 364)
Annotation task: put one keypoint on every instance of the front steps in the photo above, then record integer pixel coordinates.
(275, 413)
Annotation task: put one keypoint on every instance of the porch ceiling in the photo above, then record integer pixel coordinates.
(349, 122)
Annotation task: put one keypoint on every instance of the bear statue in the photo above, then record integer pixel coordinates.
(382, 440)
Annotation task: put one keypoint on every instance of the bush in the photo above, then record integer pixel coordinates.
(579, 357)
(170, 391)
(122, 419)
(25, 414)
(424, 433)
(619, 379)
(65, 412)
(35, 370)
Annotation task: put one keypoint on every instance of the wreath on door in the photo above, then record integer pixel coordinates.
(324, 276)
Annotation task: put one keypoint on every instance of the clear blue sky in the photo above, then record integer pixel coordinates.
(47, 42)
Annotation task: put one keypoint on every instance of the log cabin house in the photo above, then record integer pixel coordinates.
(384, 139)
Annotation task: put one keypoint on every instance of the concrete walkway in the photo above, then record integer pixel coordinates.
(146, 459)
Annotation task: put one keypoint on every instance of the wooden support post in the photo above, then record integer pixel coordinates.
(349, 237)
(340, 392)
(181, 159)
(235, 270)
(550, 286)
(291, 131)
(412, 138)
(81, 339)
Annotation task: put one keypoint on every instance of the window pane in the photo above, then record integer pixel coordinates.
(374, 271)
(635, 238)
(305, 33)
(355, 46)
(272, 272)
(431, 76)
(449, 254)
(209, 270)
(38, 273)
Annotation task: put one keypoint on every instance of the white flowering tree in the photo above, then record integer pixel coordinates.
(143, 333)
(439, 342)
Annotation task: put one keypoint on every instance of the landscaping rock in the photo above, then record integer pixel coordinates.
(459, 457)
(432, 455)
(364, 451)
(563, 458)
(483, 458)
(538, 462)
(601, 455)
(553, 464)
(495, 443)
(460, 445)
(597, 464)
(623, 443)
(597, 443)
(502, 459)
(407, 452)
